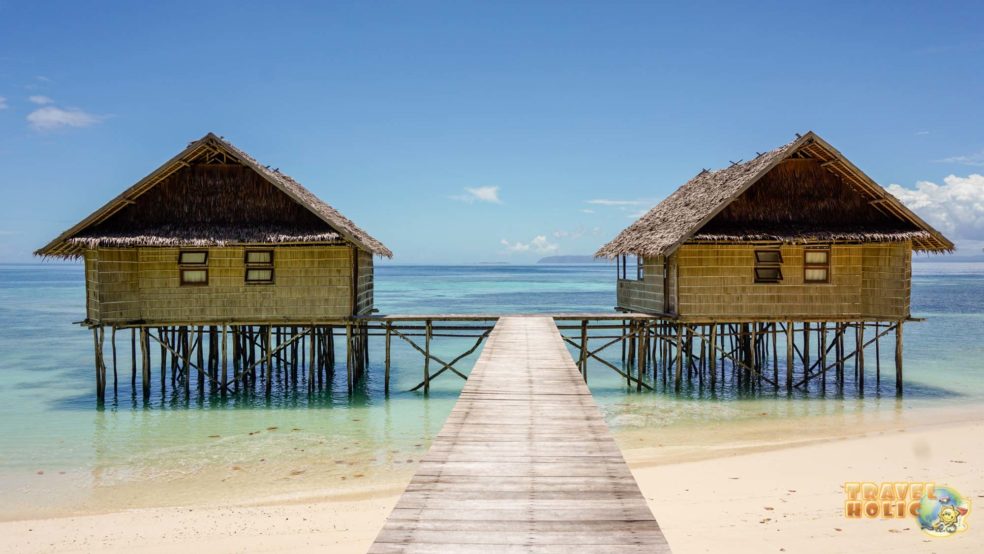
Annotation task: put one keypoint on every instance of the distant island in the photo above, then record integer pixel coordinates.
(573, 260)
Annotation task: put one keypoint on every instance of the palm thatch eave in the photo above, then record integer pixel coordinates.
(682, 215)
(63, 246)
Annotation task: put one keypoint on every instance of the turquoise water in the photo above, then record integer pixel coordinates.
(59, 453)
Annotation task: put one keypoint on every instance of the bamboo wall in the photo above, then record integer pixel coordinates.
(143, 284)
(717, 282)
(646, 295)
(364, 288)
(886, 282)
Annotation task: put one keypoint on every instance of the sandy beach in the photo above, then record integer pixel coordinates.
(782, 496)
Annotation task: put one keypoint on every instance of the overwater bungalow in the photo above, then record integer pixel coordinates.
(213, 242)
(794, 237)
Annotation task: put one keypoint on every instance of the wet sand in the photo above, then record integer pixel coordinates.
(746, 490)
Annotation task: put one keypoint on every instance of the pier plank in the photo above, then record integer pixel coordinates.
(524, 463)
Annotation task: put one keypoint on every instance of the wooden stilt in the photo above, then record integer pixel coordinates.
(823, 356)
(269, 361)
(133, 360)
(162, 333)
(641, 348)
(679, 357)
(790, 356)
(225, 364)
(877, 355)
(775, 354)
(427, 350)
(755, 364)
(349, 357)
(806, 355)
(898, 357)
(712, 357)
(100, 392)
(145, 361)
(859, 359)
(624, 333)
(386, 377)
(201, 359)
(112, 340)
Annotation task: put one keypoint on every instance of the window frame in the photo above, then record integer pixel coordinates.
(192, 266)
(640, 268)
(808, 266)
(267, 266)
(763, 263)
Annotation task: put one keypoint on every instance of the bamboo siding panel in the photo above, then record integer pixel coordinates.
(310, 282)
(646, 295)
(119, 291)
(524, 463)
(364, 290)
(887, 279)
(92, 285)
(718, 281)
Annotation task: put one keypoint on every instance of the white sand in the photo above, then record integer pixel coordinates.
(779, 499)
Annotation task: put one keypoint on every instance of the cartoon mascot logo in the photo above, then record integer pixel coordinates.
(943, 515)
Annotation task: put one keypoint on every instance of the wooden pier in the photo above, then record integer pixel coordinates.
(524, 463)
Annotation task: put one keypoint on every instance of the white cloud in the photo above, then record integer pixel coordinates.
(636, 214)
(955, 208)
(564, 234)
(542, 245)
(3, 103)
(610, 202)
(971, 159)
(53, 117)
(922, 133)
(539, 244)
(515, 246)
(40, 100)
(480, 194)
(587, 211)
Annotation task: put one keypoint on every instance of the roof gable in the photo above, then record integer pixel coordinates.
(213, 149)
(690, 208)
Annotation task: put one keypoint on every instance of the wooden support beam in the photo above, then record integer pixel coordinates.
(427, 357)
(225, 361)
(145, 361)
(859, 338)
(898, 357)
(679, 357)
(628, 376)
(789, 356)
(582, 362)
(450, 365)
(711, 356)
(823, 370)
(349, 356)
(386, 376)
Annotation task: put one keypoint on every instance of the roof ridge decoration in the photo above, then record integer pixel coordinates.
(66, 244)
(687, 210)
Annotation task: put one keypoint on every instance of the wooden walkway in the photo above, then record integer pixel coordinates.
(524, 463)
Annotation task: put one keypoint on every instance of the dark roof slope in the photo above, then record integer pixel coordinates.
(683, 215)
(327, 224)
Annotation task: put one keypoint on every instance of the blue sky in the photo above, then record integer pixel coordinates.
(496, 131)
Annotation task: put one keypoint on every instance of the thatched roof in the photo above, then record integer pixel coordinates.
(212, 194)
(808, 191)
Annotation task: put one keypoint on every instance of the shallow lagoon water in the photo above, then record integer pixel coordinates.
(60, 454)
